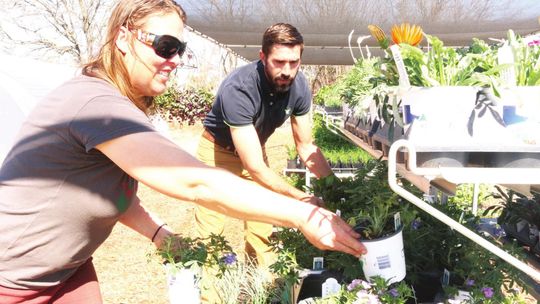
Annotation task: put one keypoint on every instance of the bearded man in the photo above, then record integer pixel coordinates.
(251, 103)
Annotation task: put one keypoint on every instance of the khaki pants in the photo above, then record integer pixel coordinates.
(256, 234)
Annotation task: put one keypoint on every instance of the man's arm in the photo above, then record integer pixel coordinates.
(307, 150)
(248, 147)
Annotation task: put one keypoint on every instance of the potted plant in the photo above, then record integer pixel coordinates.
(377, 291)
(382, 234)
(519, 216)
(184, 259)
(292, 157)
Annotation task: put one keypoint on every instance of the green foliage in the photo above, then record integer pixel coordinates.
(329, 96)
(244, 283)
(334, 147)
(292, 154)
(464, 196)
(352, 196)
(514, 207)
(527, 61)
(184, 252)
(286, 268)
(357, 83)
(188, 105)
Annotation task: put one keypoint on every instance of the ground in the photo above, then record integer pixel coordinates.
(127, 271)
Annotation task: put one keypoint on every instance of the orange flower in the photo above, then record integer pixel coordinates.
(379, 34)
(405, 33)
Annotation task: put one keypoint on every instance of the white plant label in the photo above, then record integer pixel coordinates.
(330, 287)
(397, 221)
(506, 56)
(446, 277)
(402, 72)
(318, 263)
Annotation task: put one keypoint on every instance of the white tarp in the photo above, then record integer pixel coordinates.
(23, 82)
(325, 25)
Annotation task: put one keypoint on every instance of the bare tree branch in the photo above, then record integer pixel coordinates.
(66, 30)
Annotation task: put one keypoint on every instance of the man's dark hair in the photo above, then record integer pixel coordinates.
(281, 33)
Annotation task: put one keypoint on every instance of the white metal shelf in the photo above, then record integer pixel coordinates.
(522, 176)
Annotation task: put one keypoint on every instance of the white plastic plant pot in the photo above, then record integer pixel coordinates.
(385, 258)
(183, 286)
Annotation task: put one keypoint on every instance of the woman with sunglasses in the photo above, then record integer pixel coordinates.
(73, 171)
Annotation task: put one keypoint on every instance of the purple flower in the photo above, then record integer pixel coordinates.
(229, 258)
(416, 224)
(499, 232)
(488, 292)
(469, 282)
(358, 282)
(355, 283)
(393, 292)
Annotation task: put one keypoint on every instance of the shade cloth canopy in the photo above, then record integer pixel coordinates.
(326, 24)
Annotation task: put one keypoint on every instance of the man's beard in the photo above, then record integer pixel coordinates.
(279, 88)
(282, 88)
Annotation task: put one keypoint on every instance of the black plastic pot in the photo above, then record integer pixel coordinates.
(312, 284)
(426, 286)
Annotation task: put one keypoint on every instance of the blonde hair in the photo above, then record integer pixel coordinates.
(108, 64)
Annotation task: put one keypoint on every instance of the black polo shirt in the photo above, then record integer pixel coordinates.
(245, 98)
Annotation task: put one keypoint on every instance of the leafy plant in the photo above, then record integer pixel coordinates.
(514, 207)
(189, 105)
(194, 253)
(244, 283)
(292, 154)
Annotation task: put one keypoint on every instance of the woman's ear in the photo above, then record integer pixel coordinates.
(122, 41)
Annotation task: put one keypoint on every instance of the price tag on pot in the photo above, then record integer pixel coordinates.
(397, 221)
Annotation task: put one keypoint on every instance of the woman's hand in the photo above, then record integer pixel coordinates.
(327, 231)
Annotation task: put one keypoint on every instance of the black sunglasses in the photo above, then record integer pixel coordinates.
(165, 46)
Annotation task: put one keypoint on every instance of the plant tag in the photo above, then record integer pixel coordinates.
(403, 77)
(446, 278)
(338, 212)
(330, 287)
(520, 225)
(506, 56)
(428, 198)
(318, 263)
(462, 297)
(397, 221)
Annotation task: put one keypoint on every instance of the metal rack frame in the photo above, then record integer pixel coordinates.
(523, 176)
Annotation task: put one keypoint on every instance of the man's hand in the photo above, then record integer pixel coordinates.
(312, 199)
(327, 231)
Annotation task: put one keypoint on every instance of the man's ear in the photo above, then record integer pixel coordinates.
(122, 41)
(262, 56)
